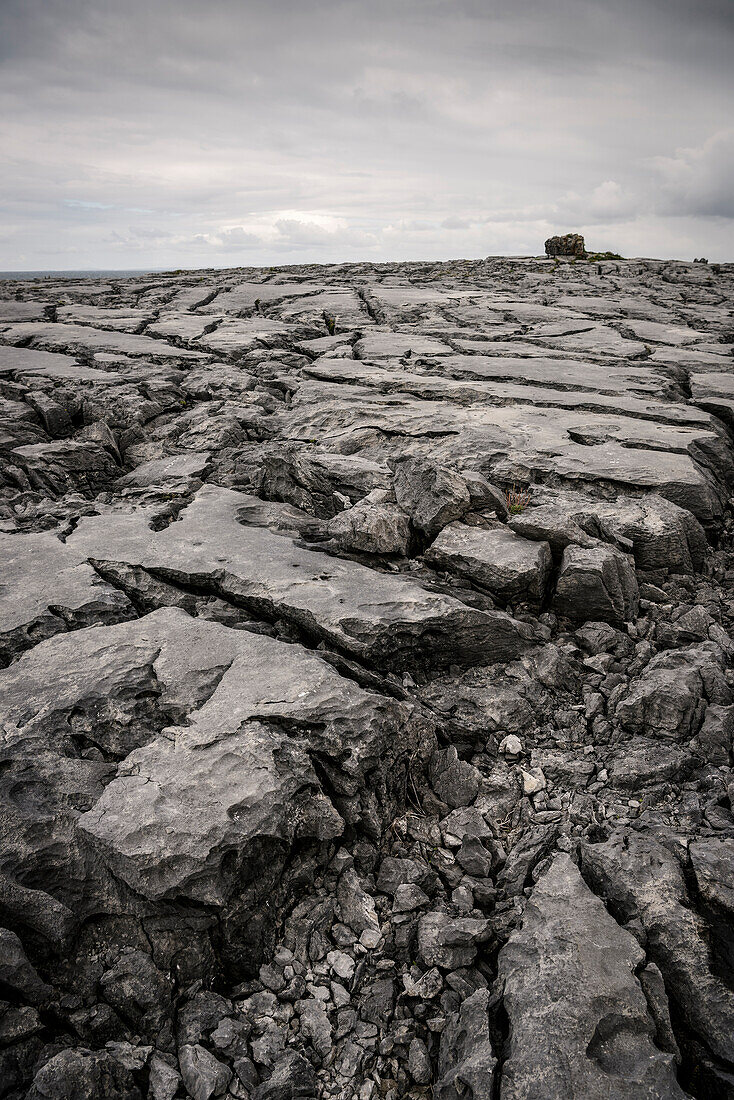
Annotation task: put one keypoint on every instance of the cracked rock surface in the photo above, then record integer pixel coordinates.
(366, 685)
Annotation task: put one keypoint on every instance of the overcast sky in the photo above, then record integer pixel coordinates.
(190, 133)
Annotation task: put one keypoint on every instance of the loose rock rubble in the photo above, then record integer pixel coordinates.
(366, 683)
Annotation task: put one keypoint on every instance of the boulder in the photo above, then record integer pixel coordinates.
(497, 560)
(204, 1076)
(596, 583)
(572, 244)
(669, 699)
(660, 534)
(431, 494)
(83, 1075)
(456, 782)
(372, 527)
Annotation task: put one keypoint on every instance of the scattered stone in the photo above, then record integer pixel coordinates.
(450, 942)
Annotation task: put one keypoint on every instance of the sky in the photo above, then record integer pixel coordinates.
(156, 134)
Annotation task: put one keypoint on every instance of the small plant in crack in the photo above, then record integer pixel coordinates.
(330, 322)
(517, 500)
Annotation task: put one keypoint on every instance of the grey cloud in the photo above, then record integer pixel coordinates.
(299, 128)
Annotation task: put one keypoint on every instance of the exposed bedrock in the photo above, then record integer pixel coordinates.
(366, 689)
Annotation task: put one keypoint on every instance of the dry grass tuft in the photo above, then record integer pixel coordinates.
(517, 500)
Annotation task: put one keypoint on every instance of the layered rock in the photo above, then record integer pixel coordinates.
(366, 704)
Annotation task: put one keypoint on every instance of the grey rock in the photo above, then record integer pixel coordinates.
(136, 823)
(644, 882)
(572, 244)
(164, 1077)
(431, 494)
(714, 738)
(356, 907)
(450, 942)
(669, 700)
(83, 1075)
(409, 897)
(17, 973)
(373, 528)
(315, 1025)
(203, 1075)
(419, 1062)
(484, 496)
(712, 861)
(533, 846)
(310, 479)
(662, 534)
(496, 559)
(46, 590)
(394, 872)
(572, 966)
(653, 987)
(596, 583)
(455, 781)
(467, 1062)
(220, 745)
(292, 1079)
(377, 1002)
(376, 617)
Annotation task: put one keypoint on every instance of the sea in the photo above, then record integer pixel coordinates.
(100, 274)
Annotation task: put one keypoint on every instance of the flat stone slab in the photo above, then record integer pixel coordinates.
(83, 338)
(508, 442)
(237, 337)
(393, 345)
(122, 319)
(173, 472)
(193, 805)
(46, 589)
(378, 617)
(18, 362)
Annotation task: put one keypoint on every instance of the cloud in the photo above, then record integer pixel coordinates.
(183, 132)
(698, 181)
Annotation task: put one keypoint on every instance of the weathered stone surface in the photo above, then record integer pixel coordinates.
(431, 495)
(579, 1024)
(507, 566)
(83, 1075)
(448, 941)
(643, 881)
(372, 526)
(596, 583)
(467, 1062)
(46, 590)
(264, 731)
(572, 244)
(663, 535)
(669, 699)
(376, 617)
(712, 861)
(310, 479)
